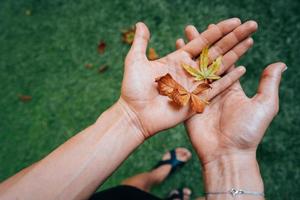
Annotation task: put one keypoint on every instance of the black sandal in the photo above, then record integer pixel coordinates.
(175, 164)
(176, 194)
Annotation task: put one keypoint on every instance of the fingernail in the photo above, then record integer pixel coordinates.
(242, 68)
(137, 24)
(284, 69)
(235, 19)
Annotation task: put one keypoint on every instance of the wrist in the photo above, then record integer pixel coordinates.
(130, 119)
(239, 171)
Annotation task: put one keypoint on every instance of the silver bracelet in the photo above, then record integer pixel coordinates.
(234, 192)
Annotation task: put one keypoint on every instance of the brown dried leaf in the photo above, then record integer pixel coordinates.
(152, 55)
(128, 35)
(181, 97)
(197, 104)
(25, 98)
(201, 87)
(88, 65)
(102, 68)
(167, 86)
(101, 47)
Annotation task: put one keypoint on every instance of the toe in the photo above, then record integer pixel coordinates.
(183, 154)
(186, 193)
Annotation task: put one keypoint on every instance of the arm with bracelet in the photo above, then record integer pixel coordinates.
(227, 143)
(226, 135)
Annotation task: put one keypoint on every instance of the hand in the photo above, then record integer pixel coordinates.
(234, 124)
(139, 96)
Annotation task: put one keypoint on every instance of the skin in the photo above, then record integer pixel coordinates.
(226, 135)
(145, 181)
(76, 168)
(143, 97)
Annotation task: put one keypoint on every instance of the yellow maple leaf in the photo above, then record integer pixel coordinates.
(204, 73)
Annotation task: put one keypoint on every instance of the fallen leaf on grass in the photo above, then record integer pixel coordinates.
(88, 65)
(28, 12)
(25, 98)
(152, 55)
(102, 68)
(167, 86)
(128, 35)
(205, 73)
(101, 47)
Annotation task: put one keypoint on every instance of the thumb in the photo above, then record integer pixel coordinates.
(140, 42)
(269, 83)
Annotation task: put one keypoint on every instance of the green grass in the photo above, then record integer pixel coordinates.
(44, 54)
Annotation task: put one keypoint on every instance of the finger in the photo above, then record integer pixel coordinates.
(232, 39)
(226, 81)
(210, 26)
(141, 38)
(269, 83)
(210, 36)
(179, 43)
(235, 54)
(230, 69)
(236, 85)
(191, 32)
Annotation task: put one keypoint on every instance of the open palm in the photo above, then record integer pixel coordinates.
(139, 93)
(234, 123)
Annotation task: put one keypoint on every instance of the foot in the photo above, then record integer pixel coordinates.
(160, 174)
(175, 194)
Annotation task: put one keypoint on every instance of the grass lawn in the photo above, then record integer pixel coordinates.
(43, 54)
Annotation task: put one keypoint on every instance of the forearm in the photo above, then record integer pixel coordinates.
(79, 166)
(239, 171)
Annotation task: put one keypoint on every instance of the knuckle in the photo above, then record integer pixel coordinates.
(272, 105)
(218, 50)
(214, 91)
(235, 55)
(267, 74)
(235, 36)
(275, 107)
(220, 31)
(230, 79)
